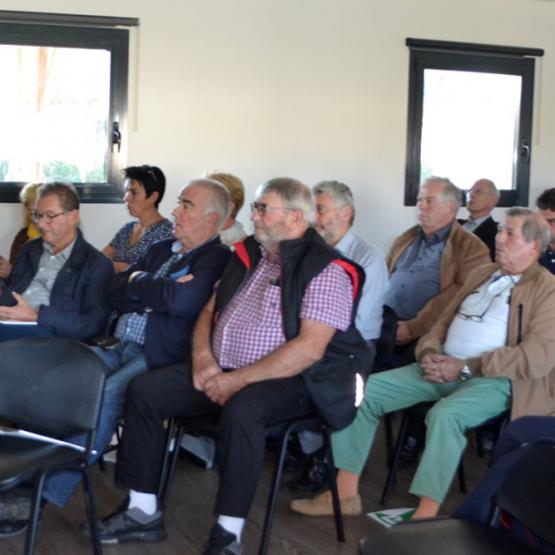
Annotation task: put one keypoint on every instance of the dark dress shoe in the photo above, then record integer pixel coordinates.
(292, 469)
(222, 542)
(314, 478)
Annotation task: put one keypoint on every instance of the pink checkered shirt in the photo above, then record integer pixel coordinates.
(251, 326)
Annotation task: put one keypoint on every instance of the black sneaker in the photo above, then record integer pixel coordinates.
(12, 527)
(222, 542)
(15, 507)
(15, 504)
(125, 525)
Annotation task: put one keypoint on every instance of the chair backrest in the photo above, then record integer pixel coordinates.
(51, 386)
(528, 492)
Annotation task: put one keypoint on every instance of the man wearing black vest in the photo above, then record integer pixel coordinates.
(277, 341)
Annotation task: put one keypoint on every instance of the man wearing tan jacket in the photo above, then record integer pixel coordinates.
(429, 263)
(493, 349)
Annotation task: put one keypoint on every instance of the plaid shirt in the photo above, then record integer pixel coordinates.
(132, 326)
(251, 326)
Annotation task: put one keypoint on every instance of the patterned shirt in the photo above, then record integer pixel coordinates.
(132, 326)
(131, 253)
(50, 264)
(251, 326)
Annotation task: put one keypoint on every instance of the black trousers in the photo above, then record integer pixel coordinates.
(169, 392)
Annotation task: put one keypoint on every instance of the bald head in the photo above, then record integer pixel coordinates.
(482, 198)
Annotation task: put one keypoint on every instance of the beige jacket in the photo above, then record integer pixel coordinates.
(528, 360)
(462, 253)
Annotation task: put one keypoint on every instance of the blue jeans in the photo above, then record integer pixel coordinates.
(125, 362)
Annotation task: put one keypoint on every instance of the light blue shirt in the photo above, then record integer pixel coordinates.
(369, 313)
(50, 265)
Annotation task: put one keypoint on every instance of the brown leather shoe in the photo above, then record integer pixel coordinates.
(321, 505)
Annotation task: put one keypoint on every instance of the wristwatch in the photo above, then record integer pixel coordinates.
(465, 373)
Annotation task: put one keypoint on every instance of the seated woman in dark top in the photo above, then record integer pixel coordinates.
(144, 189)
(27, 196)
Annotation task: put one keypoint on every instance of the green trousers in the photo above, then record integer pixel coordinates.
(459, 406)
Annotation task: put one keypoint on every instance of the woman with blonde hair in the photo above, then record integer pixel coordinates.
(232, 231)
(27, 196)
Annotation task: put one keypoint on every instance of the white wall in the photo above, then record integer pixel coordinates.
(313, 89)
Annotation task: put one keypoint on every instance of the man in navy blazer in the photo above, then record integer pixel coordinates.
(158, 300)
(59, 282)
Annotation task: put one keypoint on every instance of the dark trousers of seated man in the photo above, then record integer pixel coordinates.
(169, 392)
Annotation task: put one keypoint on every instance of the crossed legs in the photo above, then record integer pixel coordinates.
(459, 406)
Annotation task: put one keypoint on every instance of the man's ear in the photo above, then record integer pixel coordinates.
(296, 216)
(212, 218)
(74, 216)
(346, 213)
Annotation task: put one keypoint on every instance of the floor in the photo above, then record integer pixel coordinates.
(189, 514)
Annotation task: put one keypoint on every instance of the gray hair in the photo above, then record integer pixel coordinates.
(340, 194)
(66, 193)
(451, 193)
(295, 194)
(534, 227)
(218, 201)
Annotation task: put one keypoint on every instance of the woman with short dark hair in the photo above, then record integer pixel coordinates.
(144, 189)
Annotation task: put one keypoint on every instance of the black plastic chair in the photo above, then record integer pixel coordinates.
(208, 426)
(417, 414)
(527, 494)
(51, 387)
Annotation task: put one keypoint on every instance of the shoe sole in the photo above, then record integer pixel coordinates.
(154, 536)
(16, 532)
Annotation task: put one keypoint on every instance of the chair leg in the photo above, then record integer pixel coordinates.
(175, 433)
(34, 516)
(461, 476)
(339, 528)
(388, 428)
(271, 504)
(393, 468)
(90, 506)
(480, 443)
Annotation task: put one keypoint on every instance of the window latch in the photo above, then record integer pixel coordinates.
(525, 150)
(116, 135)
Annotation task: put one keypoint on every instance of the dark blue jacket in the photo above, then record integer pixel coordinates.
(79, 298)
(172, 307)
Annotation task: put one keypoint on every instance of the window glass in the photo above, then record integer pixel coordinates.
(470, 124)
(55, 116)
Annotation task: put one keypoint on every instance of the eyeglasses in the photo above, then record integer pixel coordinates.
(497, 286)
(262, 208)
(478, 317)
(37, 216)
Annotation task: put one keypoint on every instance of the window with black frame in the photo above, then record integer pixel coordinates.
(63, 103)
(470, 116)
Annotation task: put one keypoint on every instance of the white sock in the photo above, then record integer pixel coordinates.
(232, 524)
(147, 502)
